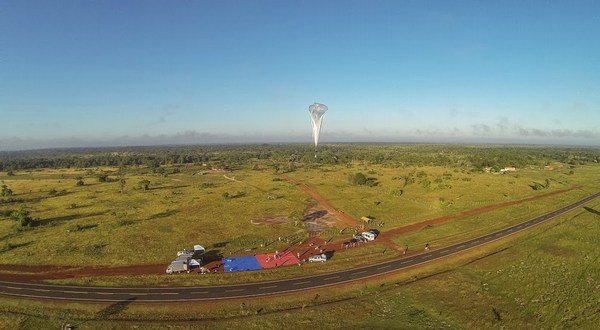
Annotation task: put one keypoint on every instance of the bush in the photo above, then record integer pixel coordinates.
(22, 216)
(360, 179)
(6, 192)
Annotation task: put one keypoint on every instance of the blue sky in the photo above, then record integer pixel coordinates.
(104, 73)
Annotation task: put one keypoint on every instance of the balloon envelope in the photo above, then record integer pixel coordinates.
(316, 110)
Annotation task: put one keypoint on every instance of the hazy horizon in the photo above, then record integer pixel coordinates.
(109, 73)
(232, 140)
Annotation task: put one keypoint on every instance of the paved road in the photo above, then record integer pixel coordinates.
(200, 293)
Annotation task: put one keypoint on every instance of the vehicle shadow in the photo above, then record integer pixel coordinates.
(329, 254)
(212, 255)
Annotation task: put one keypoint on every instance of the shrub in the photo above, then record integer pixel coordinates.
(22, 216)
(6, 191)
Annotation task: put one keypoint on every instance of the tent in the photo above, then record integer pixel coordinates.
(239, 264)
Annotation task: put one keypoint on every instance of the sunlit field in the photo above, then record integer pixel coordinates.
(108, 216)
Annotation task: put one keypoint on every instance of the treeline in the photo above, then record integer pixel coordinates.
(392, 155)
(521, 156)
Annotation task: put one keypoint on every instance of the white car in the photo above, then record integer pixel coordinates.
(318, 258)
(369, 235)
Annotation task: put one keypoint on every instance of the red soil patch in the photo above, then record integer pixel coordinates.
(349, 221)
(272, 260)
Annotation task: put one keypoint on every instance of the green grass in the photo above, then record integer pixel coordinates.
(462, 229)
(139, 226)
(541, 278)
(96, 224)
(457, 190)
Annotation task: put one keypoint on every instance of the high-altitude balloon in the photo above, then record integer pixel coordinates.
(316, 110)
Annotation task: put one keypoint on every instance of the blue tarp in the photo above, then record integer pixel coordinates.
(238, 264)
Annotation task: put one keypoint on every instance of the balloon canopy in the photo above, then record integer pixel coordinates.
(316, 110)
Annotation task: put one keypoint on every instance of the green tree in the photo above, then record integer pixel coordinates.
(359, 179)
(6, 192)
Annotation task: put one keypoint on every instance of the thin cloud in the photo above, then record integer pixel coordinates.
(481, 129)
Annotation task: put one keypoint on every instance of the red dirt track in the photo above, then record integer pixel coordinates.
(349, 221)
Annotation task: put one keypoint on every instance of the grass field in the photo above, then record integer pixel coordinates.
(545, 277)
(106, 227)
(97, 224)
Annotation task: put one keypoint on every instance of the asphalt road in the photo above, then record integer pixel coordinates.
(173, 294)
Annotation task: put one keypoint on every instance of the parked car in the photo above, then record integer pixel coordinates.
(369, 235)
(318, 258)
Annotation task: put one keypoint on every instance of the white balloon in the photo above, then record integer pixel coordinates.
(316, 110)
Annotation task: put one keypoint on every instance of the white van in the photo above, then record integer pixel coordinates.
(369, 235)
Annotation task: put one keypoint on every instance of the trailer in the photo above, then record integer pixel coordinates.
(178, 266)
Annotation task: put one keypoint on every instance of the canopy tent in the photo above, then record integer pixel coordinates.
(238, 264)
